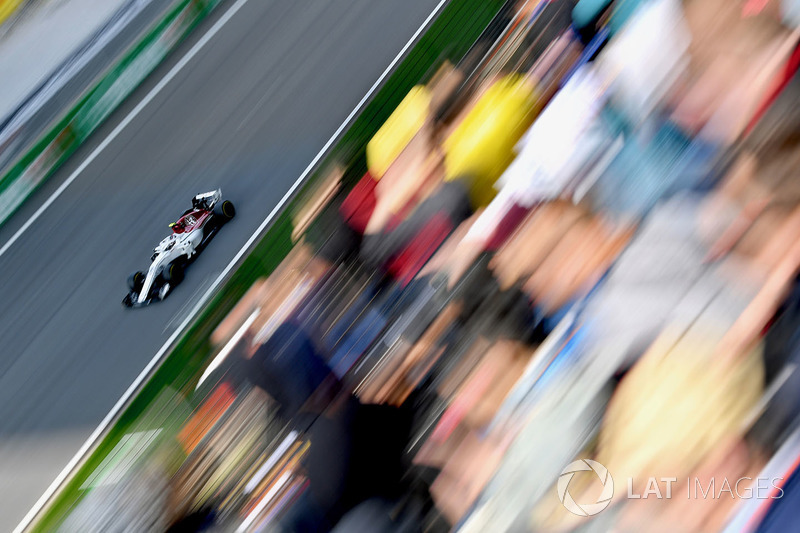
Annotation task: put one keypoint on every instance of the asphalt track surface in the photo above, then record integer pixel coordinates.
(247, 113)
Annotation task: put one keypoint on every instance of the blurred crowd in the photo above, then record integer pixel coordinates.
(582, 241)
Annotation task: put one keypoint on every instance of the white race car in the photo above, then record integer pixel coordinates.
(190, 235)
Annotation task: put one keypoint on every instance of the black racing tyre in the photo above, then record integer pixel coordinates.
(135, 281)
(173, 273)
(225, 211)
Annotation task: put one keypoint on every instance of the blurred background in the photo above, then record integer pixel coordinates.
(556, 231)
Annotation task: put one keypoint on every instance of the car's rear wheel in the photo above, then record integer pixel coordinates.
(135, 281)
(225, 211)
(174, 273)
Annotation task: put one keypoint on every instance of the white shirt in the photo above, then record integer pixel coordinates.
(646, 57)
(551, 153)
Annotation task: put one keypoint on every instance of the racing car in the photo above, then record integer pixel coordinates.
(190, 235)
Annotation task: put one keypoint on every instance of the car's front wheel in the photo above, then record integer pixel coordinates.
(174, 272)
(135, 281)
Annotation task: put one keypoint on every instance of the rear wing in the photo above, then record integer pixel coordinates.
(207, 200)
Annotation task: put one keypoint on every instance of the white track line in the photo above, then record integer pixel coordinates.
(91, 441)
